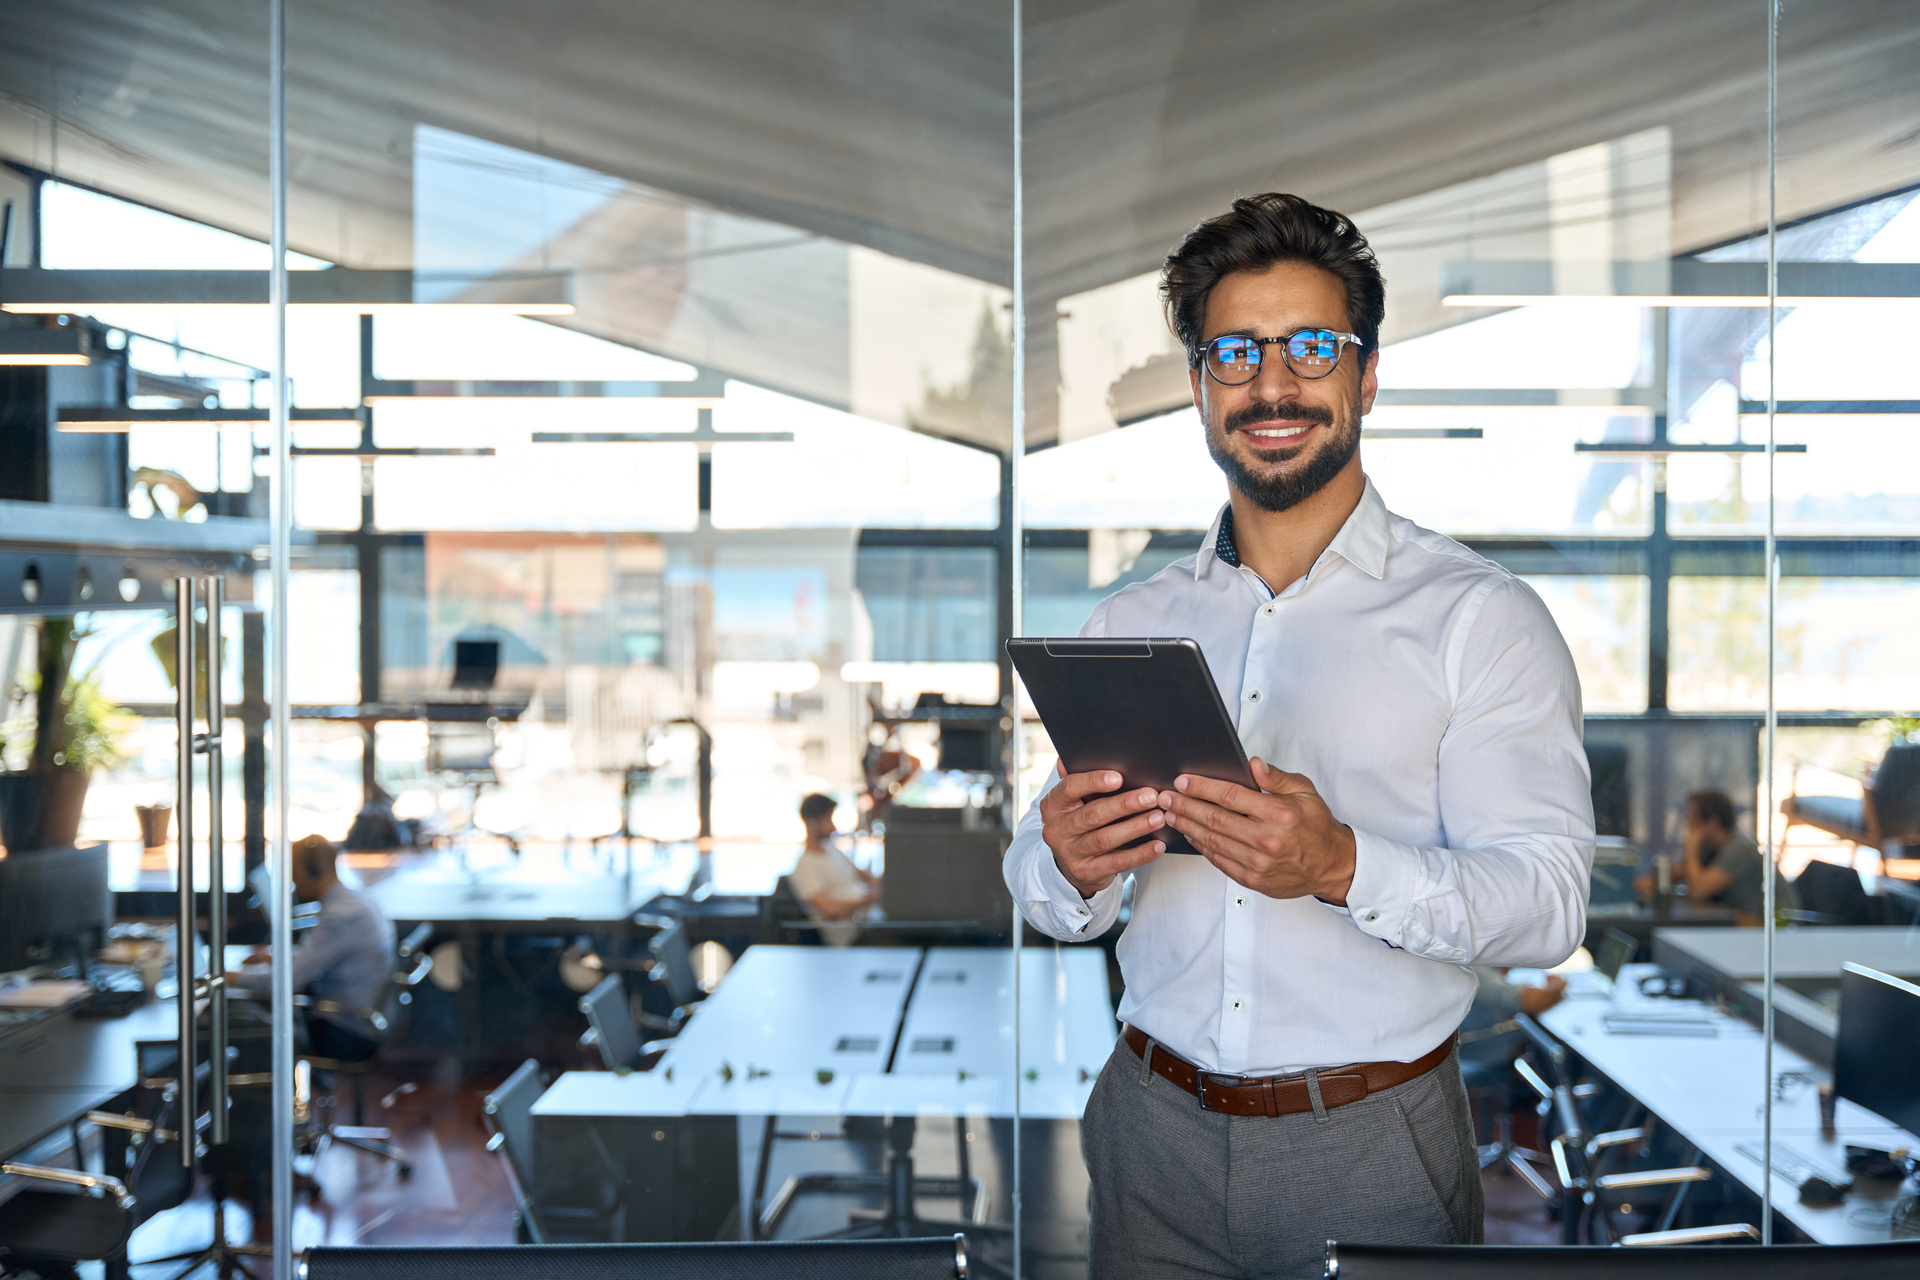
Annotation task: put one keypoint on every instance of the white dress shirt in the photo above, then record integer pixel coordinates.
(1430, 699)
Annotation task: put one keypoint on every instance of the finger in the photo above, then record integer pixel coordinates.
(1060, 767)
(1120, 860)
(1110, 837)
(1110, 809)
(1078, 786)
(1223, 826)
(1227, 794)
(1278, 781)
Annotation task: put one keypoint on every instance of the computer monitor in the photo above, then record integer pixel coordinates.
(1615, 950)
(1876, 1056)
(54, 903)
(476, 663)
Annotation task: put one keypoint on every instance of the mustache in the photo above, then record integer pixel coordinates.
(1283, 411)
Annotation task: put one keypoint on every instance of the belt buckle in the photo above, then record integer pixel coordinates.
(1225, 1080)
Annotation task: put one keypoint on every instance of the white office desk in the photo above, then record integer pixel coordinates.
(608, 1093)
(783, 1015)
(1708, 1089)
(1800, 954)
(961, 1021)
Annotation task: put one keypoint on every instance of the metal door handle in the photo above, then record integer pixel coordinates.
(216, 870)
(184, 939)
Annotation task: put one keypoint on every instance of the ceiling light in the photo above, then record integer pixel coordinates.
(114, 419)
(32, 291)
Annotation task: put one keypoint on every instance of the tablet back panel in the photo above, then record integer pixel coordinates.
(1147, 709)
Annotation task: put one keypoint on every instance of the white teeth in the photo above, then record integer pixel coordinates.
(1277, 435)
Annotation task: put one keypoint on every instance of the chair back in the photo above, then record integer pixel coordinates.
(935, 1258)
(508, 1112)
(612, 1021)
(1834, 893)
(1896, 793)
(673, 965)
(1346, 1261)
(781, 907)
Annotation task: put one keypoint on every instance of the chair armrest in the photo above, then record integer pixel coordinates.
(416, 939)
(132, 1124)
(1615, 1137)
(1526, 1072)
(1651, 1178)
(73, 1178)
(411, 978)
(1693, 1235)
(372, 1017)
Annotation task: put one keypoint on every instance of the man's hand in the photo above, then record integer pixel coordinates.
(1282, 840)
(1086, 835)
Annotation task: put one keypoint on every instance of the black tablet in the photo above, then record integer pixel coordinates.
(1147, 709)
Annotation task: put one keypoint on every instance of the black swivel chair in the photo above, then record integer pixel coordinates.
(376, 1025)
(508, 1112)
(48, 1232)
(1348, 1261)
(938, 1258)
(1580, 1159)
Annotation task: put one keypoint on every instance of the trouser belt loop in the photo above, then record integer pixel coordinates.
(1313, 1094)
(1146, 1062)
(1266, 1096)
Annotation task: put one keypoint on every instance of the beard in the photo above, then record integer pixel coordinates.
(1277, 491)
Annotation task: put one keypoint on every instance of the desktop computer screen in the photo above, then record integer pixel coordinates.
(1876, 1056)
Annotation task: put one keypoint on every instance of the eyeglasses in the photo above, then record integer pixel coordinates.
(1233, 359)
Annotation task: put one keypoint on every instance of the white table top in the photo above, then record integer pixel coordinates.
(1709, 1090)
(797, 1011)
(1802, 953)
(609, 1093)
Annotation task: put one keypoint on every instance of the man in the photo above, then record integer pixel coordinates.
(1287, 1075)
(1720, 864)
(826, 879)
(346, 959)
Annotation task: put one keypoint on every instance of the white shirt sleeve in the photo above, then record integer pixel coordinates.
(1510, 885)
(1047, 901)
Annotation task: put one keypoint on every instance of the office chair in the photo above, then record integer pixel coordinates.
(508, 1113)
(1888, 811)
(1580, 1159)
(612, 1030)
(48, 1232)
(937, 1258)
(1349, 1261)
(784, 918)
(318, 1130)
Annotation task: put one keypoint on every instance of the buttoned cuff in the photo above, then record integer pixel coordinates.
(1072, 912)
(1386, 876)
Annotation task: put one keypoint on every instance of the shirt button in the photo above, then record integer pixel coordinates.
(1371, 916)
(1253, 696)
(1239, 902)
(1236, 1004)
(1268, 611)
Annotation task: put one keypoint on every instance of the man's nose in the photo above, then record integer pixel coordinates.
(1275, 381)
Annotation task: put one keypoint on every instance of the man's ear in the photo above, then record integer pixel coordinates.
(1369, 382)
(1194, 381)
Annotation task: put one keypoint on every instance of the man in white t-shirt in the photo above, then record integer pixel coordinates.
(826, 879)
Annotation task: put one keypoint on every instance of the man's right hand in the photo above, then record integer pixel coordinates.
(1086, 835)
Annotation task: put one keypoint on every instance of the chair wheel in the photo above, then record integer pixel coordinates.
(406, 1170)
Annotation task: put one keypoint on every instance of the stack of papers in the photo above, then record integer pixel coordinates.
(48, 993)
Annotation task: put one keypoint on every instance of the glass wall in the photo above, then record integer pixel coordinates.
(658, 466)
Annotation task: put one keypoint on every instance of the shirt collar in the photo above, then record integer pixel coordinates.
(1362, 540)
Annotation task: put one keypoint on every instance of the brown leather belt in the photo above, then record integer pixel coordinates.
(1281, 1095)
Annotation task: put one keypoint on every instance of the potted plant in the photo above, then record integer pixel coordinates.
(74, 729)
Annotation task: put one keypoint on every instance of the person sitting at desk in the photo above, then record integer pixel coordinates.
(346, 958)
(1721, 865)
(827, 880)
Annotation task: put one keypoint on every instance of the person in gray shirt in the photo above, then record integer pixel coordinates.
(346, 959)
(1722, 865)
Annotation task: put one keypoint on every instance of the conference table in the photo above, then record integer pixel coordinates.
(817, 1035)
(1699, 1072)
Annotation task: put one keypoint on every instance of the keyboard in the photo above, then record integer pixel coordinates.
(1790, 1164)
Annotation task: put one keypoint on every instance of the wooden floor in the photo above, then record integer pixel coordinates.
(458, 1193)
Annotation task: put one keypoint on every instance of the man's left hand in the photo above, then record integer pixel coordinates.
(1281, 840)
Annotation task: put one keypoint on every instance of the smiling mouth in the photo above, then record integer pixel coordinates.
(1275, 435)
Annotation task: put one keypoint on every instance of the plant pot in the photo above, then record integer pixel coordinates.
(41, 810)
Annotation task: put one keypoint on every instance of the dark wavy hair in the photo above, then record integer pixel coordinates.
(1256, 233)
(1712, 806)
(817, 806)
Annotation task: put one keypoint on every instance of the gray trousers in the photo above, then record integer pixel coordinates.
(1183, 1192)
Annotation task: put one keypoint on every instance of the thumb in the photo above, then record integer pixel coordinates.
(1278, 781)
